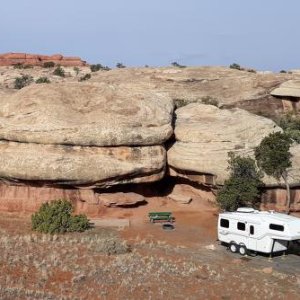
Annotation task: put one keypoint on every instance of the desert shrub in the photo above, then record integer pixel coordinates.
(251, 70)
(59, 71)
(85, 77)
(290, 123)
(98, 67)
(56, 217)
(77, 70)
(48, 64)
(42, 80)
(274, 158)
(283, 71)
(210, 101)
(179, 102)
(235, 66)
(177, 65)
(120, 66)
(21, 66)
(79, 223)
(23, 81)
(243, 188)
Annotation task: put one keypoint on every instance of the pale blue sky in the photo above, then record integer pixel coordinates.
(263, 34)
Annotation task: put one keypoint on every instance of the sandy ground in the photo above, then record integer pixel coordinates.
(141, 261)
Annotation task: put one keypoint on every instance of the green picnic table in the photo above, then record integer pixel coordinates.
(160, 216)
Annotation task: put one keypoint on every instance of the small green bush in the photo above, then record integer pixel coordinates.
(59, 71)
(42, 80)
(208, 100)
(21, 66)
(290, 123)
(98, 67)
(56, 217)
(177, 65)
(77, 70)
(283, 71)
(49, 64)
(23, 81)
(235, 66)
(120, 66)
(85, 77)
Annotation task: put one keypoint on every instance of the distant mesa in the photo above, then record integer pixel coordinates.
(10, 59)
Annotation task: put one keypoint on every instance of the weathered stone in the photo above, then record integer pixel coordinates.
(205, 134)
(9, 59)
(80, 166)
(120, 199)
(290, 88)
(86, 114)
(179, 195)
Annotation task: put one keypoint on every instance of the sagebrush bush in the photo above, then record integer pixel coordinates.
(56, 217)
(98, 67)
(290, 123)
(85, 77)
(235, 66)
(49, 64)
(120, 66)
(42, 80)
(23, 81)
(22, 66)
(210, 101)
(59, 71)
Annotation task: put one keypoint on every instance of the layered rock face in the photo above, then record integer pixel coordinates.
(86, 115)
(83, 135)
(231, 88)
(205, 134)
(10, 59)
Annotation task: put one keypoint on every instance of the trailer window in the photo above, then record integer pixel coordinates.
(224, 223)
(251, 229)
(241, 226)
(276, 227)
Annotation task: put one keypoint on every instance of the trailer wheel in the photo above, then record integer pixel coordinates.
(242, 250)
(233, 247)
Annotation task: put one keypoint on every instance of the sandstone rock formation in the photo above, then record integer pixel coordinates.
(80, 166)
(179, 195)
(83, 135)
(121, 199)
(10, 59)
(289, 93)
(205, 134)
(86, 115)
(231, 88)
(290, 88)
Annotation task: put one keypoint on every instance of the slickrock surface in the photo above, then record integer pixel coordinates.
(10, 59)
(205, 134)
(87, 115)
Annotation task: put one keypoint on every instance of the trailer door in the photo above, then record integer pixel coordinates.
(252, 240)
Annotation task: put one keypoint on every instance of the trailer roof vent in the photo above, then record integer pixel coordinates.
(246, 210)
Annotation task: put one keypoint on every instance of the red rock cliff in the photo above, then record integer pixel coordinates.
(9, 59)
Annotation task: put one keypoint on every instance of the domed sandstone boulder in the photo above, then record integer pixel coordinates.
(86, 115)
(205, 134)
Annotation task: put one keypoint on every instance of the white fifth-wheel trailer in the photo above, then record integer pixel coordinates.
(259, 231)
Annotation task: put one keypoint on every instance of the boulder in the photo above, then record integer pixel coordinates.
(179, 195)
(80, 166)
(121, 199)
(290, 88)
(205, 134)
(94, 114)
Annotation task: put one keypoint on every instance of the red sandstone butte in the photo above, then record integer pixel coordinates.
(10, 59)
